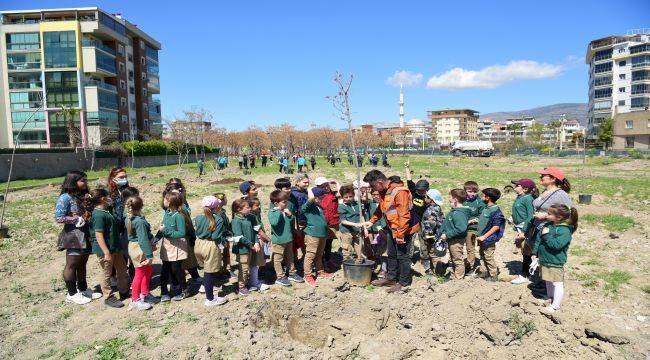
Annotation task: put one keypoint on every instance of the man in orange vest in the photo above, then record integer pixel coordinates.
(396, 207)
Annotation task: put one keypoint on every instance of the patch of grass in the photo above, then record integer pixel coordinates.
(519, 326)
(592, 262)
(646, 290)
(612, 222)
(589, 280)
(614, 279)
(49, 354)
(71, 353)
(578, 251)
(370, 288)
(143, 339)
(112, 349)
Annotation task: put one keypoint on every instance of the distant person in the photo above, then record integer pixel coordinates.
(384, 160)
(350, 161)
(245, 161)
(251, 158)
(265, 158)
(312, 161)
(199, 165)
(240, 160)
(301, 163)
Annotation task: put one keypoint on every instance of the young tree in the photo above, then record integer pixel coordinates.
(74, 134)
(606, 132)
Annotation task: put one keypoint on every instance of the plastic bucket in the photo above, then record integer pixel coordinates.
(584, 199)
(358, 274)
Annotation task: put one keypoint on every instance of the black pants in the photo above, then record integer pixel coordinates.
(398, 263)
(173, 270)
(525, 265)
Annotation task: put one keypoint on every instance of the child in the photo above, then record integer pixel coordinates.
(209, 241)
(522, 214)
(227, 233)
(242, 230)
(257, 257)
(200, 164)
(284, 184)
(315, 235)
(140, 252)
(551, 246)
(248, 189)
(476, 205)
(491, 225)
(189, 264)
(174, 248)
(350, 224)
(454, 231)
(432, 219)
(377, 238)
(106, 245)
(281, 220)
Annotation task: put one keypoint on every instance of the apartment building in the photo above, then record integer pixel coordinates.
(619, 87)
(76, 58)
(485, 129)
(450, 125)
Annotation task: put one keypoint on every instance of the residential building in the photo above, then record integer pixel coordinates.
(485, 129)
(619, 84)
(499, 133)
(519, 126)
(450, 125)
(81, 58)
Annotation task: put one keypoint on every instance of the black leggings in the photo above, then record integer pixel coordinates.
(74, 273)
(173, 269)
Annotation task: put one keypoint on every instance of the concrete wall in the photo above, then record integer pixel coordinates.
(47, 165)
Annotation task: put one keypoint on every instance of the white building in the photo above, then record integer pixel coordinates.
(450, 125)
(519, 126)
(485, 129)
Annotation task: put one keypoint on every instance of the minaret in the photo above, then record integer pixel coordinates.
(401, 106)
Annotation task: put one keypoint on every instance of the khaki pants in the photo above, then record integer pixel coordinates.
(350, 243)
(280, 252)
(208, 255)
(117, 262)
(456, 258)
(470, 248)
(242, 277)
(488, 263)
(315, 247)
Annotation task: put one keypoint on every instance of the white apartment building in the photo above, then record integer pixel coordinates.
(484, 129)
(450, 125)
(519, 126)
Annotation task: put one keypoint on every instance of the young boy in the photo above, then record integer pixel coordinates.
(454, 231)
(281, 220)
(349, 225)
(315, 235)
(432, 219)
(476, 205)
(248, 189)
(491, 225)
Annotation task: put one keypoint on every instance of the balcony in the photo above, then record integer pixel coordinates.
(101, 85)
(153, 84)
(102, 118)
(98, 63)
(98, 45)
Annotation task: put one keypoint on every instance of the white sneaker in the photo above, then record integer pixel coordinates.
(520, 280)
(139, 305)
(263, 287)
(202, 289)
(93, 295)
(215, 302)
(77, 299)
(549, 310)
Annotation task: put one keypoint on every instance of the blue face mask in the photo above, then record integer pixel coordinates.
(121, 182)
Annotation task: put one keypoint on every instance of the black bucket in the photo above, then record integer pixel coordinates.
(358, 274)
(584, 199)
(4, 232)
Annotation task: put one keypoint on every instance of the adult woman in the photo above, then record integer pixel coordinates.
(556, 192)
(71, 211)
(117, 181)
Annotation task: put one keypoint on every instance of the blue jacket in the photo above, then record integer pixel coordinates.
(496, 219)
(299, 198)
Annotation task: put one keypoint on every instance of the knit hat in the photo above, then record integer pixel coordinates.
(210, 202)
(245, 186)
(553, 171)
(320, 181)
(422, 185)
(318, 192)
(527, 183)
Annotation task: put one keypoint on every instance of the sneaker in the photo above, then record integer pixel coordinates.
(549, 310)
(310, 280)
(150, 299)
(520, 280)
(165, 298)
(283, 281)
(253, 288)
(139, 305)
(296, 278)
(181, 295)
(543, 302)
(383, 282)
(396, 288)
(215, 302)
(93, 295)
(243, 291)
(264, 287)
(113, 302)
(325, 275)
(202, 289)
(77, 298)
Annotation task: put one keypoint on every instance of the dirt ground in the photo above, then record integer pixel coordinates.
(605, 313)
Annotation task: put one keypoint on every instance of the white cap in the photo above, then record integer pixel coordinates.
(320, 181)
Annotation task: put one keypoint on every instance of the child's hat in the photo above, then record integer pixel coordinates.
(245, 186)
(553, 171)
(435, 195)
(318, 192)
(210, 201)
(422, 185)
(527, 183)
(320, 181)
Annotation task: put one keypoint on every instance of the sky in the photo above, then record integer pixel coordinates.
(260, 63)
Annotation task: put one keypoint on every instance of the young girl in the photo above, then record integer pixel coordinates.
(257, 257)
(227, 232)
(551, 246)
(209, 241)
(242, 229)
(522, 214)
(189, 264)
(174, 247)
(140, 253)
(107, 246)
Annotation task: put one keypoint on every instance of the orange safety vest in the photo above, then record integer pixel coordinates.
(389, 210)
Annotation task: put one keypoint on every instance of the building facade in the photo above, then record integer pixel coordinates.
(450, 125)
(619, 83)
(77, 58)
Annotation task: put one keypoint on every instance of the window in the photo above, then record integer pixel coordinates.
(598, 105)
(122, 84)
(640, 102)
(24, 61)
(621, 76)
(143, 76)
(37, 121)
(21, 80)
(639, 48)
(23, 41)
(602, 93)
(603, 54)
(130, 57)
(602, 80)
(112, 24)
(141, 44)
(120, 49)
(107, 100)
(600, 68)
(30, 137)
(640, 75)
(132, 106)
(621, 89)
(640, 89)
(131, 90)
(144, 92)
(629, 142)
(125, 119)
(643, 60)
(131, 75)
(151, 53)
(26, 100)
(105, 62)
(123, 102)
(59, 128)
(621, 63)
(122, 67)
(628, 124)
(142, 60)
(60, 49)
(61, 88)
(621, 103)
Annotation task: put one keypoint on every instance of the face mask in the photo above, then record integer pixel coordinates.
(121, 182)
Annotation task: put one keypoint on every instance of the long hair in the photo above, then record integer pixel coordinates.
(212, 223)
(133, 205)
(93, 200)
(178, 182)
(563, 184)
(534, 191)
(69, 185)
(112, 187)
(565, 214)
(175, 200)
(237, 205)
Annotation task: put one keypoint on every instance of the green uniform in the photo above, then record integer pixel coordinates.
(522, 211)
(281, 226)
(552, 244)
(104, 222)
(316, 223)
(242, 226)
(349, 212)
(476, 206)
(141, 234)
(381, 223)
(290, 206)
(174, 225)
(485, 218)
(455, 224)
(201, 225)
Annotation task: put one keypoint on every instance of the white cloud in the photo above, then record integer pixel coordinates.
(405, 78)
(495, 75)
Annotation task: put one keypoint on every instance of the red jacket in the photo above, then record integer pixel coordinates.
(330, 205)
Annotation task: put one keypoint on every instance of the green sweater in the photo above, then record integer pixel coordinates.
(174, 225)
(477, 205)
(455, 224)
(381, 223)
(552, 244)
(280, 227)
(227, 228)
(349, 212)
(316, 223)
(201, 225)
(242, 226)
(522, 211)
(104, 222)
(141, 234)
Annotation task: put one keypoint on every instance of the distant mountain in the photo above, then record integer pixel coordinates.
(545, 114)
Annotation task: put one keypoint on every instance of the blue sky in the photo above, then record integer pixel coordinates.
(270, 62)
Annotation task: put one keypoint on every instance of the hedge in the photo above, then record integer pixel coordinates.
(159, 147)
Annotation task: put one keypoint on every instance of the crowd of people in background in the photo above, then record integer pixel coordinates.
(382, 219)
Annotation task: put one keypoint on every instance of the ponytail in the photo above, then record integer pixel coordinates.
(564, 185)
(534, 192)
(212, 223)
(133, 205)
(573, 219)
(565, 214)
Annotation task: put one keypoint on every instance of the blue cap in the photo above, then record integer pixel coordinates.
(245, 186)
(318, 192)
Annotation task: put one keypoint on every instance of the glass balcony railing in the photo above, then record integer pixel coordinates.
(102, 118)
(153, 81)
(106, 63)
(97, 44)
(101, 85)
(24, 66)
